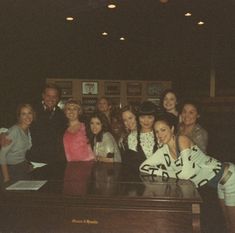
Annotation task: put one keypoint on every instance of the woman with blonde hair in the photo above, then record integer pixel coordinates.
(76, 143)
(12, 157)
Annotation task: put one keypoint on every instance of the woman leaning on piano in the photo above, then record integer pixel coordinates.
(178, 157)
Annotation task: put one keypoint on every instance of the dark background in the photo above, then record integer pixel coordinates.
(37, 43)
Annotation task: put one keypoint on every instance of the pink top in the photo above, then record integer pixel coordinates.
(76, 145)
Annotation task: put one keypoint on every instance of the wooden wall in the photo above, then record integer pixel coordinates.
(119, 92)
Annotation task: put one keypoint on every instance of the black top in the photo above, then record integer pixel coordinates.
(47, 132)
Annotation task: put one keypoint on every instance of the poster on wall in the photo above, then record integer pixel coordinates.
(134, 89)
(89, 88)
(112, 88)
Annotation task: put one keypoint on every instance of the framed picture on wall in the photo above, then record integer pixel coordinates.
(89, 101)
(66, 87)
(89, 104)
(134, 89)
(88, 109)
(155, 89)
(112, 88)
(89, 88)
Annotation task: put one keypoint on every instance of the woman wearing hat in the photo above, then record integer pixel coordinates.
(141, 142)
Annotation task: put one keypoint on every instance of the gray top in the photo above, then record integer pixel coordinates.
(15, 152)
(107, 145)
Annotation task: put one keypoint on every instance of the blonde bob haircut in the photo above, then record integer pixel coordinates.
(24, 105)
(75, 103)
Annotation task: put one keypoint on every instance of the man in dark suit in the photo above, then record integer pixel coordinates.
(48, 128)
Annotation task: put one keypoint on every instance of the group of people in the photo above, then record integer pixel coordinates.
(170, 144)
(45, 134)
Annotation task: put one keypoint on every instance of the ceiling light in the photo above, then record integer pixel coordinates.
(163, 1)
(188, 14)
(121, 38)
(111, 6)
(69, 18)
(200, 23)
(104, 33)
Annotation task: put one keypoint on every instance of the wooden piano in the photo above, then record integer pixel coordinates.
(91, 197)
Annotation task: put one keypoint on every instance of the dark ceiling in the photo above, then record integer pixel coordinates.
(161, 43)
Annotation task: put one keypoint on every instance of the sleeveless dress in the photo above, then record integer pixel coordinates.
(76, 145)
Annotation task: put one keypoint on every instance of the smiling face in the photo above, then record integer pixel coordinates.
(189, 115)
(72, 111)
(103, 105)
(146, 123)
(169, 102)
(129, 120)
(25, 117)
(163, 132)
(50, 97)
(95, 125)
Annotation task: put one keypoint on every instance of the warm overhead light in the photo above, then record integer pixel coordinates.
(69, 18)
(104, 33)
(121, 38)
(163, 1)
(111, 6)
(200, 23)
(188, 14)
